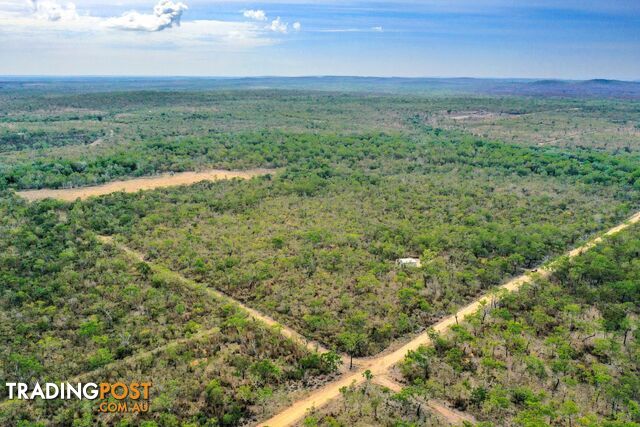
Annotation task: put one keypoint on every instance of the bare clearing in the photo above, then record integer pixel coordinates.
(146, 183)
(379, 365)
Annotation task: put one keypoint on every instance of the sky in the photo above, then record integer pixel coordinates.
(572, 39)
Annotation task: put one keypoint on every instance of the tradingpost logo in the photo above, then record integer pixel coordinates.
(111, 397)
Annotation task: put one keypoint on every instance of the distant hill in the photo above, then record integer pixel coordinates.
(596, 88)
(585, 88)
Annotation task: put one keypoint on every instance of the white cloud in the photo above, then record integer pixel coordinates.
(258, 15)
(55, 26)
(166, 14)
(52, 11)
(278, 26)
(377, 29)
(297, 26)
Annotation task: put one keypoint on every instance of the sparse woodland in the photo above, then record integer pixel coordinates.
(71, 306)
(362, 180)
(559, 352)
(372, 405)
(315, 245)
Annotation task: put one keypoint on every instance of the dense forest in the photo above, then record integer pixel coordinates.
(318, 154)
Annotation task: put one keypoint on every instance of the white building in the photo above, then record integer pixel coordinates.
(409, 262)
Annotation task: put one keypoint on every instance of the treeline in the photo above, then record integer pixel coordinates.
(386, 152)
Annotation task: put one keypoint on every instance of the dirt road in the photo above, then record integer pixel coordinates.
(192, 285)
(254, 314)
(381, 364)
(146, 183)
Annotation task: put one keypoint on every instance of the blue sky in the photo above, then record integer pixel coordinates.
(447, 38)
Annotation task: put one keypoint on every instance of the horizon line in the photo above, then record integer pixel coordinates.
(317, 76)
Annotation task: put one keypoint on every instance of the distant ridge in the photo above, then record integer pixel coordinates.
(606, 88)
(548, 82)
(605, 81)
(594, 88)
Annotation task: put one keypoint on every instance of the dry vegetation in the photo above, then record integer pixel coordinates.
(478, 187)
(64, 291)
(577, 127)
(560, 352)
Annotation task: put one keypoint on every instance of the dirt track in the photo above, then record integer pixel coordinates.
(381, 364)
(378, 365)
(146, 183)
(254, 314)
(188, 283)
